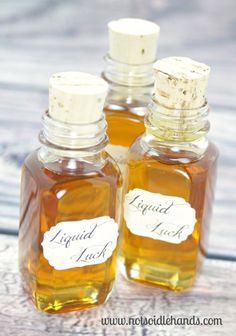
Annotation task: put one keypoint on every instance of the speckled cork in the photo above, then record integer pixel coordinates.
(76, 97)
(180, 82)
(133, 41)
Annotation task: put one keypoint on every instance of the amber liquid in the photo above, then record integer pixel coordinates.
(49, 197)
(157, 262)
(124, 127)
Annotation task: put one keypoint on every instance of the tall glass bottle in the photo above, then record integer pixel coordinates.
(129, 72)
(69, 201)
(171, 177)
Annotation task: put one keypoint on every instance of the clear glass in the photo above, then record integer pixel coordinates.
(130, 90)
(65, 185)
(173, 166)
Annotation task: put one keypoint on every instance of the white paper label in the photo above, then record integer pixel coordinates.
(80, 243)
(158, 216)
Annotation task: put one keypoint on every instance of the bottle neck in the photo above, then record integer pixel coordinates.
(73, 140)
(85, 137)
(130, 86)
(179, 132)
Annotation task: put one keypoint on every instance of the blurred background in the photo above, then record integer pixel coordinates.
(40, 37)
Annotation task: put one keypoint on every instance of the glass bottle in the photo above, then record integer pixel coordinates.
(69, 201)
(170, 180)
(129, 73)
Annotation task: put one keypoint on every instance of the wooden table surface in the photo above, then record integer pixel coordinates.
(38, 38)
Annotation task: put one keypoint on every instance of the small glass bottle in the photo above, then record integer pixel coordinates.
(129, 72)
(69, 201)
(170, 179)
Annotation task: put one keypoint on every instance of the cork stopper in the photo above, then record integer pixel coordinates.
(133, 41)
(76, 97)
(180, 82)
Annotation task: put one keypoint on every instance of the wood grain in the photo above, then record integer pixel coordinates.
(38, 38)
(213, 295)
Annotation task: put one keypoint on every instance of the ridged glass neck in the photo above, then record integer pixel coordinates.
(128, 74)
(175, 135)
(130, 86)
(74, 138)
(176, 125)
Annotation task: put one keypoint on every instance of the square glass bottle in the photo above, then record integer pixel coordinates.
(70, 191)
(170, 179)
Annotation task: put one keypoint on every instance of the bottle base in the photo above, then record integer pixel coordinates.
(158, 275)
(69, 300)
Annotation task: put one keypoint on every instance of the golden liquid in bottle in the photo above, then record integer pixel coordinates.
(124, 127)
(47, 198)
(159, 263)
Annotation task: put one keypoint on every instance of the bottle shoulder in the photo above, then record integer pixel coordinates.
(172, 155)
(125, 111)
(63, 170)
(163, 174)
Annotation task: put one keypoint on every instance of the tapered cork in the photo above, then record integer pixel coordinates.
(76, 97)
(133, 41)
(180, 82)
